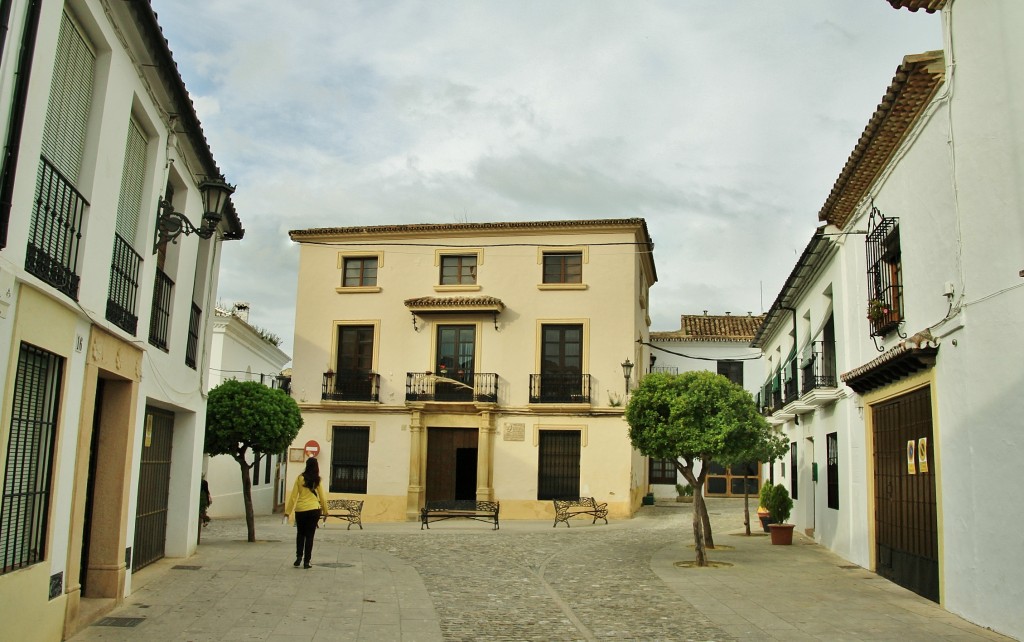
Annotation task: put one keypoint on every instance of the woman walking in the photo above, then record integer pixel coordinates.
(308, 502)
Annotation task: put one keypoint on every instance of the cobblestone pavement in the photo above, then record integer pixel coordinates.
(581, 583)
(460, 580)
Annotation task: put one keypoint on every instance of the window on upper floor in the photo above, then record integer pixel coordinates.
(125, 265)
(58, 218)
(360, 271)
(563, 267)
(885, 278)
(458, 269)
(732, 370)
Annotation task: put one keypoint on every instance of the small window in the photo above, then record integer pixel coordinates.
(662, 471)
(832, 469)
(350, 451)
(563, 267)
(458, 270)
(792, 469)
(732, 370)
(360, 272)
(885, 274)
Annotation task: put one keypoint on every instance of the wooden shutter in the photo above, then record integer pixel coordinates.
(67, 116)
(133, 177)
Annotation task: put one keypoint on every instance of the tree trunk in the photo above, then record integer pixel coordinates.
(250, 519)
(746, 506)
(709, 538)
(698, 509)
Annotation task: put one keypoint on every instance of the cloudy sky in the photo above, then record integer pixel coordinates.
(723, 124)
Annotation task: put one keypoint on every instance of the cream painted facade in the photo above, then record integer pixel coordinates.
(237, 351)
(429, 438)
(95, 370)
(925, 413)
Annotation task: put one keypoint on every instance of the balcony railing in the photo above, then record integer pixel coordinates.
(672, 370)
(451, 386)
(790, 391)
(192, 347)
(124, 286)
(819, 371)
(56, 231)
(559, 388)
(160, 317)
(351, 385)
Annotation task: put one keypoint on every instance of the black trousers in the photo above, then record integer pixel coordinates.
(305, 529)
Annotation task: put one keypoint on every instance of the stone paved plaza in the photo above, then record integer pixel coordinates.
(527, 581)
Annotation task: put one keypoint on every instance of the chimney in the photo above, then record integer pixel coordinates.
(241, 310)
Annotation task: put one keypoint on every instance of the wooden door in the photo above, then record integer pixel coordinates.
(451, 463)
(906, 524)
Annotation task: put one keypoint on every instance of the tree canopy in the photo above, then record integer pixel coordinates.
(696, 416)
(246, 415)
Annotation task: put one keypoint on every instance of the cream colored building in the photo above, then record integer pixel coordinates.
(104, 339)
(472, 361)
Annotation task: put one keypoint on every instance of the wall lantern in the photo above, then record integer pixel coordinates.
(170, 224)
(627, 370)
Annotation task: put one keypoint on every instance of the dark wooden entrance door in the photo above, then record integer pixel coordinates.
(154, 487)
(906, 525)
(451, 463)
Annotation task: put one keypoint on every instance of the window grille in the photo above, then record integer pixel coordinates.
(192, 347)
(832, 469)
(160, 317)
(884, 262)
(558, 464)
(350, 453)
(24, 509)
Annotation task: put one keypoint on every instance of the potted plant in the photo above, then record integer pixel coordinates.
(878, 310)
(762, 512)
(684, 493)
(779, 506)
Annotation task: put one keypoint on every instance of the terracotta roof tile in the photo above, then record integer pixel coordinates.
(455, 303)
(931, 6)
(911, 90)
(704, 327)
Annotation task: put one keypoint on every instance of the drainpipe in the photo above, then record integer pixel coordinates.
(17, 119)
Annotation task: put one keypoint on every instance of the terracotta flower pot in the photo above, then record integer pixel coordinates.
(782, 533)
(764, 521)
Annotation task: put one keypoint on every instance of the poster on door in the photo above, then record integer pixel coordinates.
(911, 457)
(922, 455)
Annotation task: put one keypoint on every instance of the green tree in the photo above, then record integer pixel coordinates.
(769, 446)
(695, 417)
(243, 416)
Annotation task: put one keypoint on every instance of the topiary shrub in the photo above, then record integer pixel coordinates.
(779, 504)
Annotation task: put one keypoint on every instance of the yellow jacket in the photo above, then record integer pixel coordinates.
(303, 499)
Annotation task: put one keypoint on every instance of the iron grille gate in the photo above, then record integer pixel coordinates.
(154, 486)
(558, 465)
(906, 526)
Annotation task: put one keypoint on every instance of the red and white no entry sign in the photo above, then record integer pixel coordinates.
(312, 448)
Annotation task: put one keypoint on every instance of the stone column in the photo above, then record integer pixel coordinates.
(417, 448)
(485, 458)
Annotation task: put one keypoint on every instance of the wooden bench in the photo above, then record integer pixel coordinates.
(467, 508)
(566, 508)
(349, 510)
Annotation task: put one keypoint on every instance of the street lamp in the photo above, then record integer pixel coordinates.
(627, 369)
(170, 224)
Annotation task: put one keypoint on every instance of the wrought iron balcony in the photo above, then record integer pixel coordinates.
(790, 391)
(56, 230)
(560, 388)
(351, 385)
(451, 386)
(160, 317)
(124, 286)
(672, 370)
(819, 371)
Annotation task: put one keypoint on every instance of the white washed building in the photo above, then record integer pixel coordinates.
(104, 340)
(919, 261)
(239, 351)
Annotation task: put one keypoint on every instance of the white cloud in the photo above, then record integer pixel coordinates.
(723, 124)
